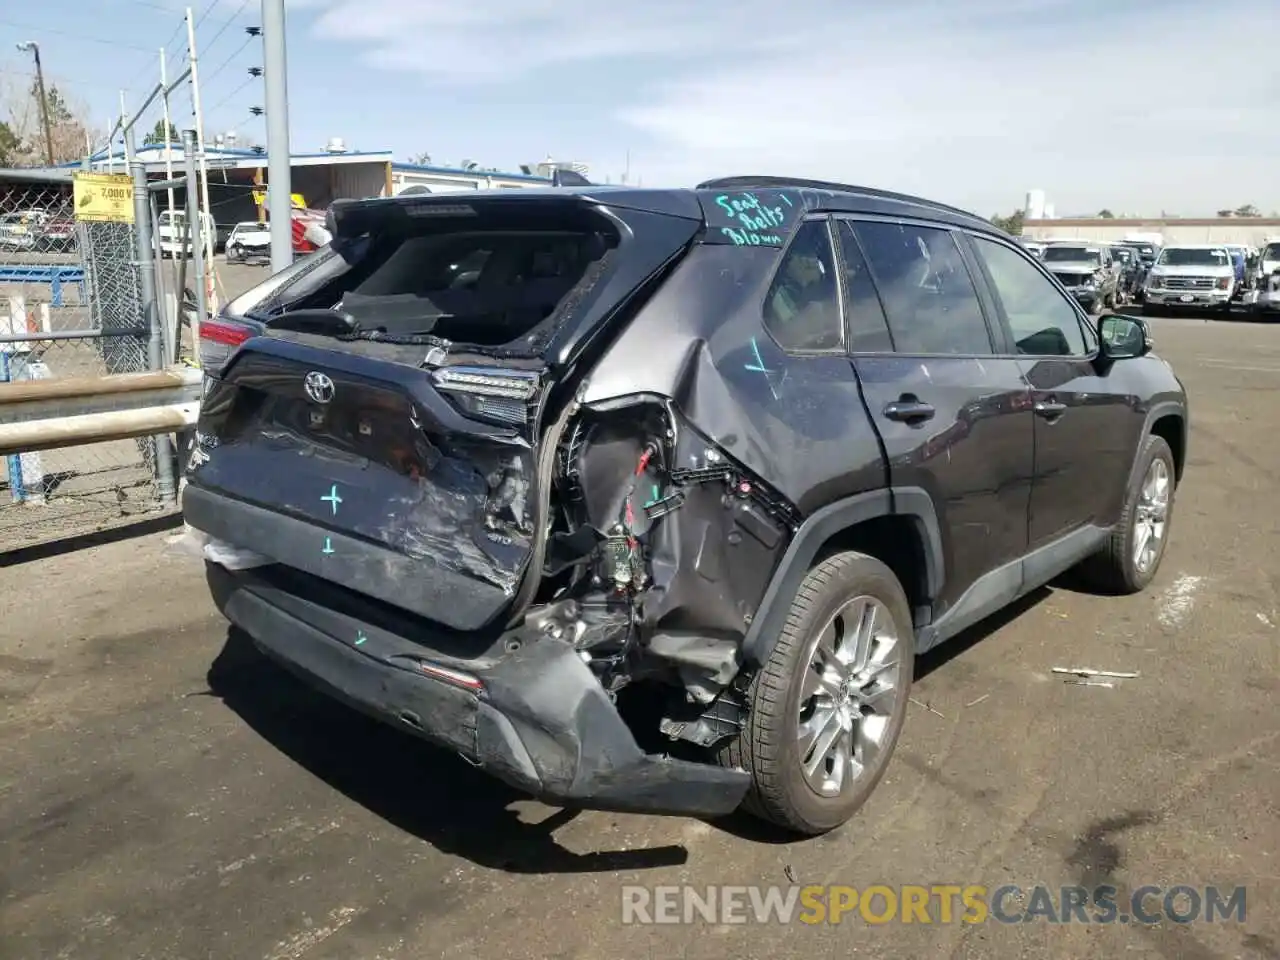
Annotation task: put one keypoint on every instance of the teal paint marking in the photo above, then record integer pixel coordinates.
(360, 637)
(654, 496)
(754, 222)
(758, 366)
(328, 546)
(333, 499)
(742, 238)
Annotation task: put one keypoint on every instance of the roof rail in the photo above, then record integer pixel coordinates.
(761, 182)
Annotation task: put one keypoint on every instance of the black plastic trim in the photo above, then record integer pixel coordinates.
(910, 502)
(542, 723)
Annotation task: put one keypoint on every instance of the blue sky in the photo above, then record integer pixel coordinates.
(1135, 105)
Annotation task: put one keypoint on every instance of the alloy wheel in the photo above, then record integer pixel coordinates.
(850, 689)
(1152, 515)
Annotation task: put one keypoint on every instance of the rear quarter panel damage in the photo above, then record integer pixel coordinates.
(793, 429)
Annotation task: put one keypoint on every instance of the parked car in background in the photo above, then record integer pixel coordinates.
(1269, 258)
(1147, 253)
(174, 236)
(1266, 283)
(1132, 272)
(442, 473)
(17, 232)
(1239, 255)
(248, 240)
(40, 231)
(1266, 304)
(1191, 276)
(308, 230)
(1033, 247)
(1087, 270)
(57, 233)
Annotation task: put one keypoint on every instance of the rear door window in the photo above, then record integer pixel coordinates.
(802, 307)
(864, 316)
(925, 286)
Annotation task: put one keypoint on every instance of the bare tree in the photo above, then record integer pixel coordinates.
(70, 127)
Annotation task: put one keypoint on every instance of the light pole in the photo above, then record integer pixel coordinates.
(275, 73)
(34, 48)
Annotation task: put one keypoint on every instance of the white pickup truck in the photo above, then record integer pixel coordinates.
(1191, 276)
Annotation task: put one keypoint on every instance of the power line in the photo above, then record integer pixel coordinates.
(207, 10)
(226, 24)
(149, 66)
(50, 81)
(215, 107)
(73, 35)
(235, 53)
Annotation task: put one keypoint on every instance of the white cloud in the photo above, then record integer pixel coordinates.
(1132, 106)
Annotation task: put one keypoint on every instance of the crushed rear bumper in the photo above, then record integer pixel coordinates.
(527, 710)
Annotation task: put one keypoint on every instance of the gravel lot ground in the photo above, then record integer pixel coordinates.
(168, 794)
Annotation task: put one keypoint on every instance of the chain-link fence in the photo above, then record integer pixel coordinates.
(70, 306)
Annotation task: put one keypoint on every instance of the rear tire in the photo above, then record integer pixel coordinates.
(832, 696)
(1120, 567)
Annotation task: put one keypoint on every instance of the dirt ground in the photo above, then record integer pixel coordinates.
(168, 794)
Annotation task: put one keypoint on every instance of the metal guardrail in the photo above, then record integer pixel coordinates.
(48, 414)
(57, 276)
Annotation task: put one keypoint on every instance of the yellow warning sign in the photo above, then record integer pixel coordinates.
(298, 201)
(104, 197)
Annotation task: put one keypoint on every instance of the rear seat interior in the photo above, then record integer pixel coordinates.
(520, 282)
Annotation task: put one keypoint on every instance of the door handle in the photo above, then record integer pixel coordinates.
(909, 411)
(1050, 409)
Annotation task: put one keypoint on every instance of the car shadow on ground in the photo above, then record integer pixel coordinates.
(425, 791)
(746, 827)
(442, 799)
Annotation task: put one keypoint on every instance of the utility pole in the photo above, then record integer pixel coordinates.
(128, 135)
(206, 279)
(275, 72)
(168, 130)
(34, 48)
(197, 249)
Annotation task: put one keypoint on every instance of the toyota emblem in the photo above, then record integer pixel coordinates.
(319, 386)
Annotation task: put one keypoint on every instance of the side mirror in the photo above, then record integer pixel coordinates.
(1123, 337)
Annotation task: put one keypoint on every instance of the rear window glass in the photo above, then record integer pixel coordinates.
(480, 286)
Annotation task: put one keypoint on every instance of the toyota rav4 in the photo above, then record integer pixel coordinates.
(490, 468)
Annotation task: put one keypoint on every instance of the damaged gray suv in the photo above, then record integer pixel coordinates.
(646, 500)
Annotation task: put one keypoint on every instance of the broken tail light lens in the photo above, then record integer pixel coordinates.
(219, 339)
(485, 393)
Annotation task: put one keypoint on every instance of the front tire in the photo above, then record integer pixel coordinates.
(1132, 556)
(826, 709)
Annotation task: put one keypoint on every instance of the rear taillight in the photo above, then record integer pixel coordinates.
(218, 340)
(486, 393)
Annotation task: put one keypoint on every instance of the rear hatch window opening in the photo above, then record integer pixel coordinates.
(492, 279)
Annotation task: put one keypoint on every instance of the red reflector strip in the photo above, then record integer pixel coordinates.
(230, 334)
